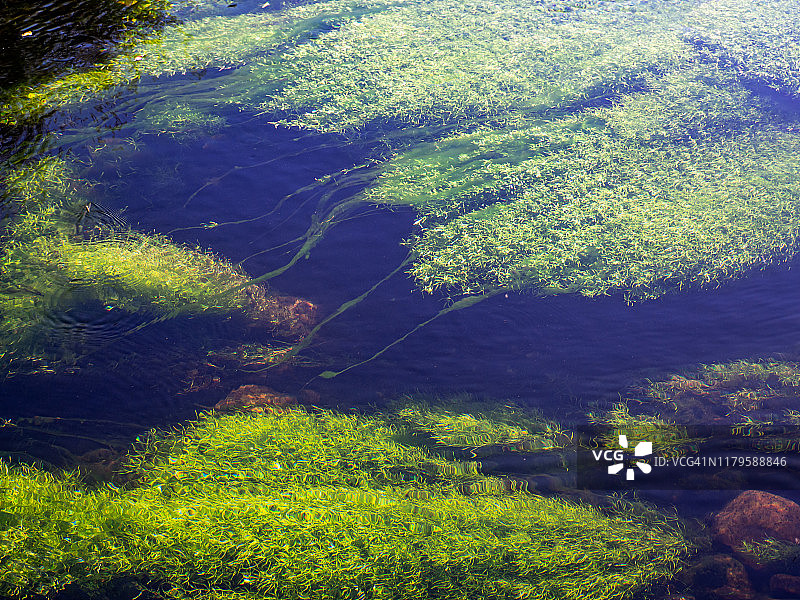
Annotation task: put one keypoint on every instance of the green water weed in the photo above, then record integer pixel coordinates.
(302, 505)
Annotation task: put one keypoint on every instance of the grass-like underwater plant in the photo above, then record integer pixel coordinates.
(781, 555)
(53, 261)
(734, 373)
(209, 42)
(466, 422)
(616, 199)
(668, 438)
(318, 506)
(570, 148)
(760, 379)
(757, 39)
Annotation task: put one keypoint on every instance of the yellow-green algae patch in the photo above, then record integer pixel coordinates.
(210, 42)
(466, 422)
(318, 506)
(52, 260)
(689, 184)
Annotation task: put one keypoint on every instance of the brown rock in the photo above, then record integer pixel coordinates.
(285, 316)
(785, 585)
(753, 516)
(101, 464)
(255, 398)
(718, 577)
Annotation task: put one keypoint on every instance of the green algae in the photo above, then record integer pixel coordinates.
(49, 264)
(466, 422)
(323, 506)
(668, 438)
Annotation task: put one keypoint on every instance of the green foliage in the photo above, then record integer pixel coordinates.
(182, 121)
(466, 422)
(643, 198)
(48, 266)
(742, 385)
(758, 39)
(669, 439)
(322, 506)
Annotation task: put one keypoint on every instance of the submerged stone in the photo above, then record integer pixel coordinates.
(756, 515)
(719, 577)
(786, 586)
(256, 399)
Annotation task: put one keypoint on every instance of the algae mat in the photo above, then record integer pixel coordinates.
(318, 506)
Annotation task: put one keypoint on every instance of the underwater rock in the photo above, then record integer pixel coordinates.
(755, 515)
(255, 398)
(102, 464)
(288, 316)
(719, 577)
(308, 396)
(785, 585)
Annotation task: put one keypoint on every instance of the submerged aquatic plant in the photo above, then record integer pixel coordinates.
(741, 371)
(322, 506)
(753, 400)
(466, 422)
(194, 45)
(620, 199)
(53, 260)
(594, 150)
(668, 438)
(757, 39)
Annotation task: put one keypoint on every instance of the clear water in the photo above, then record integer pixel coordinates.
(566, 355)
